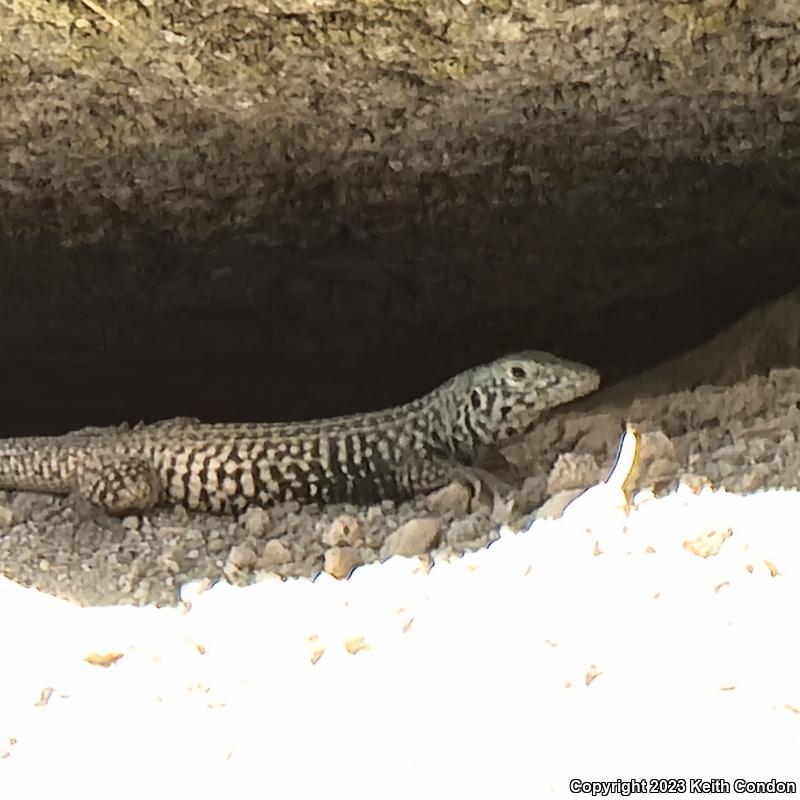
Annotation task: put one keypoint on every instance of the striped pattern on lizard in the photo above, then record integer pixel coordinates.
(359, 458)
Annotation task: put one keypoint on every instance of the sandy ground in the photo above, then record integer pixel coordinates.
(657, 643)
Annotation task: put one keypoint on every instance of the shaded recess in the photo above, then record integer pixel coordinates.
(242, 210)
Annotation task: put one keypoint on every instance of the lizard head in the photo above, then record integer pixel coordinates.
(505, 398)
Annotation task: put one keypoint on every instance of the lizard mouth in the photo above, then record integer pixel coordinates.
(586, 382)
(587, 385)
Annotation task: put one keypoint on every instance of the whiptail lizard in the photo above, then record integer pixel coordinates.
(361, 458)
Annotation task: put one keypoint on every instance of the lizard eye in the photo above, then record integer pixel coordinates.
(518, 373)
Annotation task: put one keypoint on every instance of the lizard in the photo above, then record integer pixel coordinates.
(360, 458)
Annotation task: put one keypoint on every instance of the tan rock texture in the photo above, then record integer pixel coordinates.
(301, 119)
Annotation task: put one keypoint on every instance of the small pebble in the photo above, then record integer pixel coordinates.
(463, 530)
(242, 557)
(174, 559)
(416, 536)
(554, 506)
(255, 521)
(452, 499)
(340, 561)
(344, 530)
(573, 472)
(274, 554)
(374, 513)
(6, 517)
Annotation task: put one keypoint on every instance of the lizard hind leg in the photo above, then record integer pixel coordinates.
(120, 485)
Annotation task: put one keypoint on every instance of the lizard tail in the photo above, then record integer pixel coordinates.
(37, 463)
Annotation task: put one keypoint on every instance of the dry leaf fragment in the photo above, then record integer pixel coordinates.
(103, 659)
(591, 674)
(44, 696)
(708, 543)
(773, 570)
(355, 644)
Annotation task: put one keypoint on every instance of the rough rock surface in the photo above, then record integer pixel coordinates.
(297, 120)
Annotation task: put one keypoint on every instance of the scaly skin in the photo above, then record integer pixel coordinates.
(360, 458)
